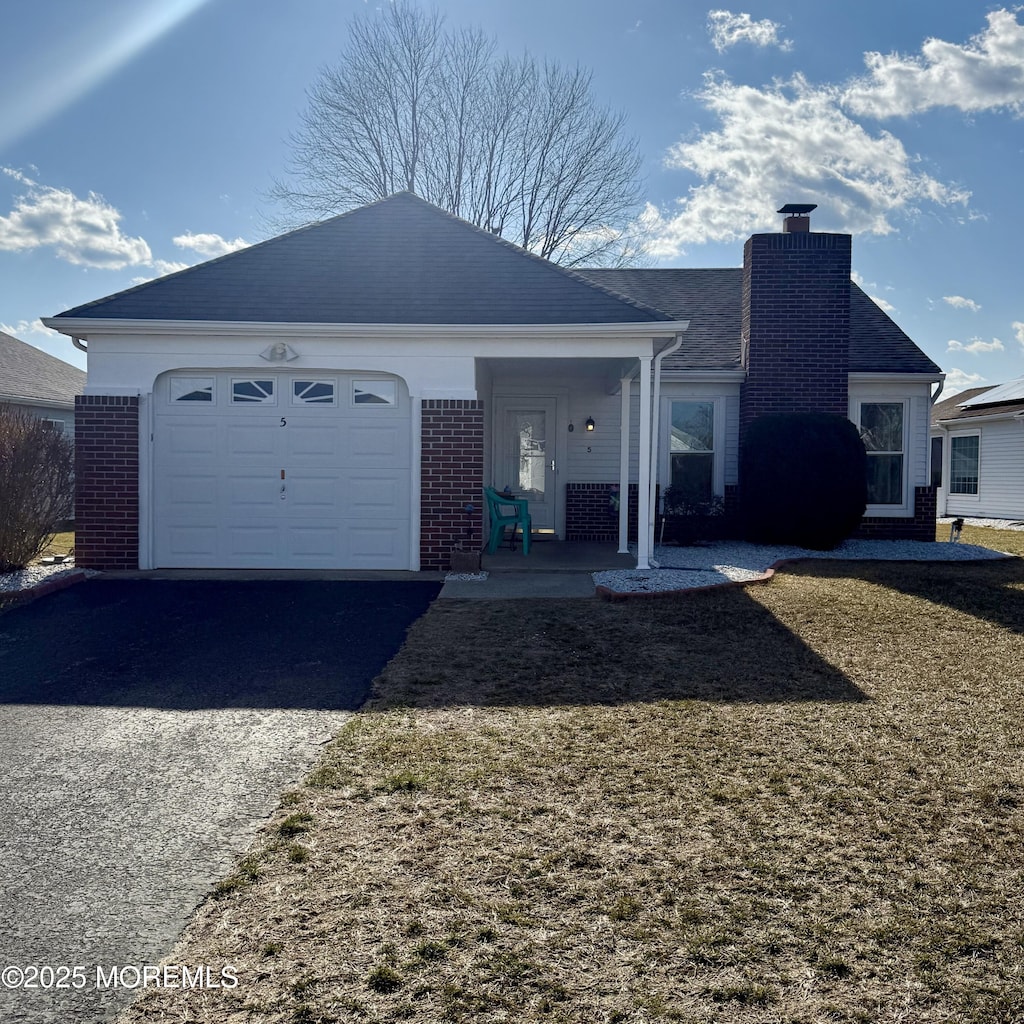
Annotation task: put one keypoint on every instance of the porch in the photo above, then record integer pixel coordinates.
(548, 554)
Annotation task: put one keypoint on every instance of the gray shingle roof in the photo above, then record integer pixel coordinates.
(711, 300)
(27, 374)
(948, 408)
(398, 261)
(404, 261)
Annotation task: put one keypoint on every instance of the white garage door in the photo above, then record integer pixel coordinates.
(281, 470)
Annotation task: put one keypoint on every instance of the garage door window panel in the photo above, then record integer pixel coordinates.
(254, 391)
(374, 392)
(192, 389)
(314, 392)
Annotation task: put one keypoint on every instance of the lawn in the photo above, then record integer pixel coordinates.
(800, 801)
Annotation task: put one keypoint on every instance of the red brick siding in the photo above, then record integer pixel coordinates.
(588, 515)
(920, 527)
(452, 476)
(796, 324)
(107, 482)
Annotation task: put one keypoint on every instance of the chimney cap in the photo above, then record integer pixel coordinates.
(797, 209)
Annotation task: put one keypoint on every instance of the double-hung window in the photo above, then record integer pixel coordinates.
(882, 430)
(964, 463)
(692, 450)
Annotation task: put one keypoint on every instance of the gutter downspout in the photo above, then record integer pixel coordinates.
(652, 506)
(78, 343)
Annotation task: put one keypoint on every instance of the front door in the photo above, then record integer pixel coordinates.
(525, 456)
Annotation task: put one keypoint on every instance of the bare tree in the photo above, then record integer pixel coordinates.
(519, 148)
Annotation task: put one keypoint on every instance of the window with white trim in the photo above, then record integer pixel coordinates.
(882, 431)
(57, 426)
(964, 463)
(252, 391)
(692, 450)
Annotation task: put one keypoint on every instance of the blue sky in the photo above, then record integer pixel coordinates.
(140, 136)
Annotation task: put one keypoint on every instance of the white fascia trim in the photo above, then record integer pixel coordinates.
(83, 327)
(703, 376)
(898, 378)
(41, 403)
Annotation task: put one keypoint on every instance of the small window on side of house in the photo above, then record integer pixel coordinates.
(57, 426)
(964, 463)
(936, 462)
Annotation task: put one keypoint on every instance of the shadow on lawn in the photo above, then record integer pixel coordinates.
(719, 645)
(989, 590)
(186, 645)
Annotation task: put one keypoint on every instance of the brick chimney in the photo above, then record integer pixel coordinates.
(796, 319)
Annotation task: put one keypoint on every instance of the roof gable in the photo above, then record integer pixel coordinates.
(28, 374)
(398, 261)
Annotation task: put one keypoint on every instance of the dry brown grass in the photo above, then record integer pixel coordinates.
(799, 802)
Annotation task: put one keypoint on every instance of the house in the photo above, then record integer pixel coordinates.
(337, 396)
(44, 385)
(978, 452)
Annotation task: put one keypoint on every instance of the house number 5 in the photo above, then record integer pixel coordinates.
(284, 422)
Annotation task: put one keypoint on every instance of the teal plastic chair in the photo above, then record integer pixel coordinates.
(505, 511)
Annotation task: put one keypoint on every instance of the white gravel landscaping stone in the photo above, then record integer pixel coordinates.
(683, 568)
(466, 577)
(26, 579)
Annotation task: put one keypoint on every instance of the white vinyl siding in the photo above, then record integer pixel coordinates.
(1000, 473)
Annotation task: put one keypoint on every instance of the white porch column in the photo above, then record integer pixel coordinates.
(643, 536)
(626, 384)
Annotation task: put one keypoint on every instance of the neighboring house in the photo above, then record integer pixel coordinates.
(336, 396)
(978, 452)
(41, 383)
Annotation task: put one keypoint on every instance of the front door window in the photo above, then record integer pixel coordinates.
(526, 457)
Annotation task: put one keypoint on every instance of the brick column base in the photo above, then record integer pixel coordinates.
(106, 482)
(452, 476)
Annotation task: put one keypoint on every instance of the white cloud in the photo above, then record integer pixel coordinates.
(959, 302)
(26, 330)
(870, 288)
(1018, 330)
(987, 73)
(784, 144)
(85, 232)
(959, 380)
(727, 29)
(208, 245)
(976, 346)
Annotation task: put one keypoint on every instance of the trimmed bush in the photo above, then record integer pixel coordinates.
(36, 485)
(803, 480)
(684, 521)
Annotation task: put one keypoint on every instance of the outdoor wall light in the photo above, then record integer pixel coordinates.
(590, 424)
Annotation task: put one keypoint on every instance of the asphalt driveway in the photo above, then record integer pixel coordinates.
(146, 729)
